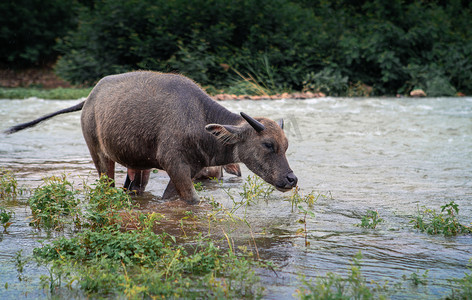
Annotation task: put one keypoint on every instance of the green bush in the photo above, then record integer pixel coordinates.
(29, 29)
(194, 38)
(329, 81)
(385, 47)
(52, 203)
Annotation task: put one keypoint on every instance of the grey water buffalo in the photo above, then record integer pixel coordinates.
(144, 120)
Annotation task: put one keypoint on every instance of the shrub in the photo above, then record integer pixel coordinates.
(445, 222)
(105, 203)
(194, 39)
(52, 203)
(389, 46)
(29, 29)
(329, 81)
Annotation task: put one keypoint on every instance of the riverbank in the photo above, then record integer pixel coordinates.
(62, 93)
(45, 84)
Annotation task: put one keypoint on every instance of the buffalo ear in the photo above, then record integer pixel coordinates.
(280, 122)
(226, 134)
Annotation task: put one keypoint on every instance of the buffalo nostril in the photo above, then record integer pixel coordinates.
(292, 179)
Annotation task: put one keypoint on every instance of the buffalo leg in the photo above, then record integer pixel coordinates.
(233, 169)
(170, 191)
(181, 183)
(136, 180)
(104, 165)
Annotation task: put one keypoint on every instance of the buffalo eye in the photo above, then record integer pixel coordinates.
(269, 146)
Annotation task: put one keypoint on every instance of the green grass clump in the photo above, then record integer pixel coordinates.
(5, 218)
(255, 188)
(53, 94)
(370, 220)
(53, 203)
(142, 264)
(105, 202)
(106, 259)
(9, 189)
(444, 222)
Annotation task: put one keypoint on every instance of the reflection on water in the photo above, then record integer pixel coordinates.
(389, 155)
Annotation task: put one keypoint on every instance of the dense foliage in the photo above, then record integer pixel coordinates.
(338, 47)
(29, 29)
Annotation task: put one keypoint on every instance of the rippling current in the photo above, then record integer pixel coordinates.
(390, 155)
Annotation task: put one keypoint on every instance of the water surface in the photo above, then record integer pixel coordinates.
(385, 154)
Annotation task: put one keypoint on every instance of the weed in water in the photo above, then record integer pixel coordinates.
(5, 218)
(255, 188)
(20, 263)
(105, 203)
(53, 203)
(112, 262)
(303, 231)
(463, 288)
(198, 186)
(104, 260)
(333, 286)
(8, 186)
(305, 206)
(189, 216)
(444, 222)
(8, 192)
(416, 279)
(370, 220)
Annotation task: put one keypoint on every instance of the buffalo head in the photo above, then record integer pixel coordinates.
(261, 145)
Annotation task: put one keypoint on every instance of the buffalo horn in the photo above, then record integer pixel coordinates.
(255, 124)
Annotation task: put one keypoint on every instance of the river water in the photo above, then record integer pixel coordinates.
(390, 155)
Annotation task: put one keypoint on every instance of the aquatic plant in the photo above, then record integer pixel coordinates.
(144, 264)
(305, 208)
(334, 286)
(444, 222)
(463, 290)
(5, 218)
(370, 220)
(9, 189)
(20, 263)
(106, 259)
(255, 188)
(416, 279)
(54, 203)
(296, 198)
(105, 202)
(198, 186)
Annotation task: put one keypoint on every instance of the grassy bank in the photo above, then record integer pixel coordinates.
(55, 94)
(232, 93)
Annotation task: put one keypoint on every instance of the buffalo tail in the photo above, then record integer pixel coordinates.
(43, 118)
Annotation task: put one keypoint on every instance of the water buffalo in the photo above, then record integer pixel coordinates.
(145, 120)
